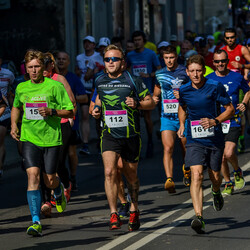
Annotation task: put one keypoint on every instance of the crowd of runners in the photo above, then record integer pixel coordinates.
(200, 87)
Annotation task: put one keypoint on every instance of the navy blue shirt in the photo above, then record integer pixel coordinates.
(203, 103)
(232, 82)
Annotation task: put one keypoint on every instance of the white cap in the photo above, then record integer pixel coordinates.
(162, 44)
(210, 37)
(173, 38)
(198, 38)
(89, 38)
(104, 41)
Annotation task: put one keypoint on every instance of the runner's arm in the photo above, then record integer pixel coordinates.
(226, 115)
(146, 103)
(242, 106)
(66, 85)
(182, 118)
(15, 114)
(157, 93)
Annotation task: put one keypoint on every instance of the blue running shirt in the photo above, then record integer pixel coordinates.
(145, 62)
(203, 103)
(168, 80)
(232, 82)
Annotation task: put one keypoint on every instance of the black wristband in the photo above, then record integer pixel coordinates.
(217, 122)
(244, 104)
(53, 112)
(97, 106)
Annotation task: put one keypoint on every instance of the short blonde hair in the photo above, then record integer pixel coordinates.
(113, 47)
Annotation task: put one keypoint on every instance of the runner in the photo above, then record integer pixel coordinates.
(81, 70)
(233, 82)
(44, 102)
(142, 62)
(169, 80)
(205, 142)
(63, 62)
(6, 80)
(118, 99)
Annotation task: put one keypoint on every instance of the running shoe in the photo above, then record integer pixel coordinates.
(61, 201)
(186, 176)
(170, 186)
(115, 222)
(239, 181)
(198, 225)
(124, 210)
(241, 144)
(67, 192)
(85, 149)
(218, 201)
(46, 209)
(53, 201)
(35, 229)
(229, 188)
(134, 221)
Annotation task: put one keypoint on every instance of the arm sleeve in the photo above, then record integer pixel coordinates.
(94, 95)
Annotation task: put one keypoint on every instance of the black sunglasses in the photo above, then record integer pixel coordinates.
(228, 37)
(222, 61)
(113, 59)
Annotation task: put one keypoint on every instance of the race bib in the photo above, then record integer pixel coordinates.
(116, 118)
(170, 105)
(197, 131)
(225, 126)
(31, 110)
(137, 69)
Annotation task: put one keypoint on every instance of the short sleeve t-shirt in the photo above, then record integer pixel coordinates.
(83, 62)
(168, 81)
(143, 62)
(113, 93)
(29, 96)
(204, 103)
(232, 82)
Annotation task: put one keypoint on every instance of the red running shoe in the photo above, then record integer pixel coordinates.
(46, 209)
(67, 192)
(134, 221)
(115, 222)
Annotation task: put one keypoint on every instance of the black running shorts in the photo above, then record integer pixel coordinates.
(46, 158)
(233, 134)
(210, 157)
(128, 148)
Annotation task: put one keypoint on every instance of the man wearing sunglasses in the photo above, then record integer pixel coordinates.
(233, 82)
(237, 54)
(118, 101)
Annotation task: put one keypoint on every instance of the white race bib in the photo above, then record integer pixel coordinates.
(137, 69)
(31, 110)
(225, 126)
(197, 131)
(170, 105)
(116, 118)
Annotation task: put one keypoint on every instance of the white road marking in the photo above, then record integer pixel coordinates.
(164, 229)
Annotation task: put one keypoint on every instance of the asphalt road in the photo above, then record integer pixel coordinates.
(165, 218)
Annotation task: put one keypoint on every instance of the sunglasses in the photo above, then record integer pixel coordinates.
(113, 59)
(222, 61)
(229, 37)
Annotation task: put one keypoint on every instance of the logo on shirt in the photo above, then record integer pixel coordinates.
(38, 98)
(237, 58)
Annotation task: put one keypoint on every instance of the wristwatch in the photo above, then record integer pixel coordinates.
(217, 122)
(53, 112)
